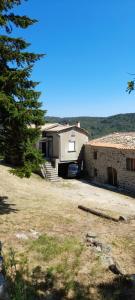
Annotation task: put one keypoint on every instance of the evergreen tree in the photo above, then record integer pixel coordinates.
(131, 86)
(19, 104)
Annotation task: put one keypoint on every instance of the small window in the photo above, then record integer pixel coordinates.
(71, 146)
(72, 134)
(130, 164)
(95, 154)
(95, 172)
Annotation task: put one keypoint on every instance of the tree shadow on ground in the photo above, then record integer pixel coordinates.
(107, 187)
(5, 207)
(121, 288)
(50, 285)
(45, 286)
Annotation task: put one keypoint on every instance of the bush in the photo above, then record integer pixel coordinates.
(33, 159)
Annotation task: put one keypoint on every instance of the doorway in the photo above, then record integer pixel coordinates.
(47, 147)
(50, 148)
(112, 176)
(44, 148)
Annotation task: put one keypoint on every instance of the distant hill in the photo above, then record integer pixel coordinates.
(99, 126)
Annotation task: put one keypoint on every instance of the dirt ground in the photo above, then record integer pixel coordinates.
(33, 204)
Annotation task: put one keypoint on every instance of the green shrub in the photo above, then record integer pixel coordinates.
(50, 247)
(33, 159)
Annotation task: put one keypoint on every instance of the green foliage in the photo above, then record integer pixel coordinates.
(33, 159)
(130, 87)
(56, 282)
(61, 282)
(19, 104)
(17, 274)
(8, 4)
(50, 247)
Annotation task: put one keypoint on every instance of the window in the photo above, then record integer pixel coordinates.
(72, 134)
(71, 146)
(95, 172)
(130, 164)
(95, 154)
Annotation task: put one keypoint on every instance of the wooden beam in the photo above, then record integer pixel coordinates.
(97, 213)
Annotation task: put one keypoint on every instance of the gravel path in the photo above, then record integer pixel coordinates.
(73, 192)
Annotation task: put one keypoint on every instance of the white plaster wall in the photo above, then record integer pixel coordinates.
(72, 135)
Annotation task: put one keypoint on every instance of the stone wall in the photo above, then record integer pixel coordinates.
(110, 157)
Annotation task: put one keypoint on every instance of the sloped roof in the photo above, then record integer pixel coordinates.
(119, 140)
(49, 126)
(56, 127)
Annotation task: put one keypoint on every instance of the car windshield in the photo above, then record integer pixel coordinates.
(73, 167)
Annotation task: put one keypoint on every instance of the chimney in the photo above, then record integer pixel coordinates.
(66, 123)
(78, 124)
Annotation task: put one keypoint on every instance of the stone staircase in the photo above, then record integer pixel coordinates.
(49, 172)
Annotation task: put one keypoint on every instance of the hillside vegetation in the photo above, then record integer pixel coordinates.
(99, 126)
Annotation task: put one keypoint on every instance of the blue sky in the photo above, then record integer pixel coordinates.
(90, 49)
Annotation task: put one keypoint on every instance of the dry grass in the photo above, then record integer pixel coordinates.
(51, 210)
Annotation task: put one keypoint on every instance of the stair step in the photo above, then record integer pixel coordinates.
(52, 176)
(50, 172)
(50, 168)
(53, 180)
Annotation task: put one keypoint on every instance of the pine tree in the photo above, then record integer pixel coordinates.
(19, 101)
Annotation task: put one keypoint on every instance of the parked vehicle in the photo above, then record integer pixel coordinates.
(73, 170)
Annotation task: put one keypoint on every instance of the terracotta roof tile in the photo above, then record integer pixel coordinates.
(119, 140)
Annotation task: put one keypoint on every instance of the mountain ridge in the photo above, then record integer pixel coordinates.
(99, 126)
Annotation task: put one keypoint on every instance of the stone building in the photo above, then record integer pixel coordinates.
(62, 145)
(63, 142)
(111, 160)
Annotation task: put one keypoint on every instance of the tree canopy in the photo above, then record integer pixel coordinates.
(19, 100)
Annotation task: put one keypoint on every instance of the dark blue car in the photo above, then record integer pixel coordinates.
(73, 170)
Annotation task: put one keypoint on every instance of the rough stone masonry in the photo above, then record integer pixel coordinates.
(111, 160)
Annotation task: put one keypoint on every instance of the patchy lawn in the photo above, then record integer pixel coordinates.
(42, 223)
